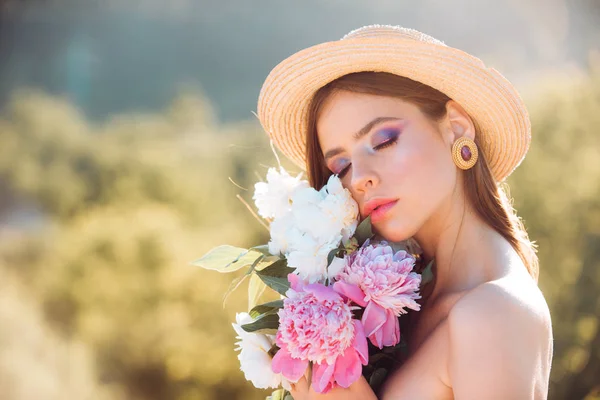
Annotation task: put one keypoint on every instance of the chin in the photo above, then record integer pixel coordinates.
(394, 231)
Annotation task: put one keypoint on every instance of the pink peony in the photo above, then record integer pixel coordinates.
(315, 324)
(382, 282)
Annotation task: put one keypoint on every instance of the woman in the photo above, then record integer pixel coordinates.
(422, 134)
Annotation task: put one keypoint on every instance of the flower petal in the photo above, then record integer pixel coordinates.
(322, 377)
(294, 281)
(347, 368)
(377, 338)
(291, 368)
(352, 292)
(373, 318)
(322, 292)
(360, 342)
(390, 330)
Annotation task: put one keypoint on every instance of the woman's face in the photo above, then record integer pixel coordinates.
(386, 151)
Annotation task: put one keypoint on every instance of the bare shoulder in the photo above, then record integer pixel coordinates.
(500, 340)
(515, 302)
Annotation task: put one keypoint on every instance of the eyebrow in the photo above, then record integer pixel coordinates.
(362, 132)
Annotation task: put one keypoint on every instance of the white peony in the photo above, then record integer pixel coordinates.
(309, 258)
(312, 226)
(307, 208)
(340, 208)
(334, 186)
(280, 230)
(254, 357)
(327, 213)
(272, 198)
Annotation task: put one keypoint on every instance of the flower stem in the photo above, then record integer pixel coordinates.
(252, 211)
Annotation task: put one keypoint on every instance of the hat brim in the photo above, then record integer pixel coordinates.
(493, 103)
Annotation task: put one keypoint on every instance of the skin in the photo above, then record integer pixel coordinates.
(485, 332)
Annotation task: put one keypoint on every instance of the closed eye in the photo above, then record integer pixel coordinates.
(343, 172)
(386, 137)
(381, 146)
(385, 144)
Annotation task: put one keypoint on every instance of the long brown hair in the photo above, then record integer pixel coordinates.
(490, 200)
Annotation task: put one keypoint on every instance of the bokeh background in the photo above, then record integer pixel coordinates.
(124, 123)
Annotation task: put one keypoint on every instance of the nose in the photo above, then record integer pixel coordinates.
(363, 176)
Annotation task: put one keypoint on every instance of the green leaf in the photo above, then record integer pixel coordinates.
(263, 249)
(363, 231)
(233, 286)
(227, 258)
(275, 276)
(332, 254)
(265, 262)
(269, 258)
(278, 269)
(377, 377)
(275, 395)
(266, 324)
(280, 394)
(254, 264)
(268, 308)
(280, 285)
(427, 274)
(256, 287)
(351, 245)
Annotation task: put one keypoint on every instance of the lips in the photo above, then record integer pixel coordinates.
(377, 204)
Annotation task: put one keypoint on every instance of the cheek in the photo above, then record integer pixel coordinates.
(420, 165)
(428, 165)
(425, 176)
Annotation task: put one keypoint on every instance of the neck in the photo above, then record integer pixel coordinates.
(460, 242)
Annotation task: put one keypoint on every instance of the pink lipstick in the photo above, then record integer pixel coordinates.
(378, 208)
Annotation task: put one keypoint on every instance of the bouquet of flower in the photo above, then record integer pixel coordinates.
(341, 290)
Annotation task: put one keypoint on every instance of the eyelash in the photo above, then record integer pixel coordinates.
(381, 146)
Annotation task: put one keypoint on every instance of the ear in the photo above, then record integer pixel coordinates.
(457, 123)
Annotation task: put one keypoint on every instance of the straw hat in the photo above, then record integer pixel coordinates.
(490, 99)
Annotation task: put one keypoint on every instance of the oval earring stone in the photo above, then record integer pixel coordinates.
(465, 153)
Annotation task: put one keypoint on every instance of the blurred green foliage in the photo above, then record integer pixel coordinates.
(557, 192)
(98, 224)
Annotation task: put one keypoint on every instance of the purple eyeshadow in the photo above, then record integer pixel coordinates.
(385, 135)
(337, 167)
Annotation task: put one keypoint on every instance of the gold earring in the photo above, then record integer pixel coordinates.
(464, 153)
